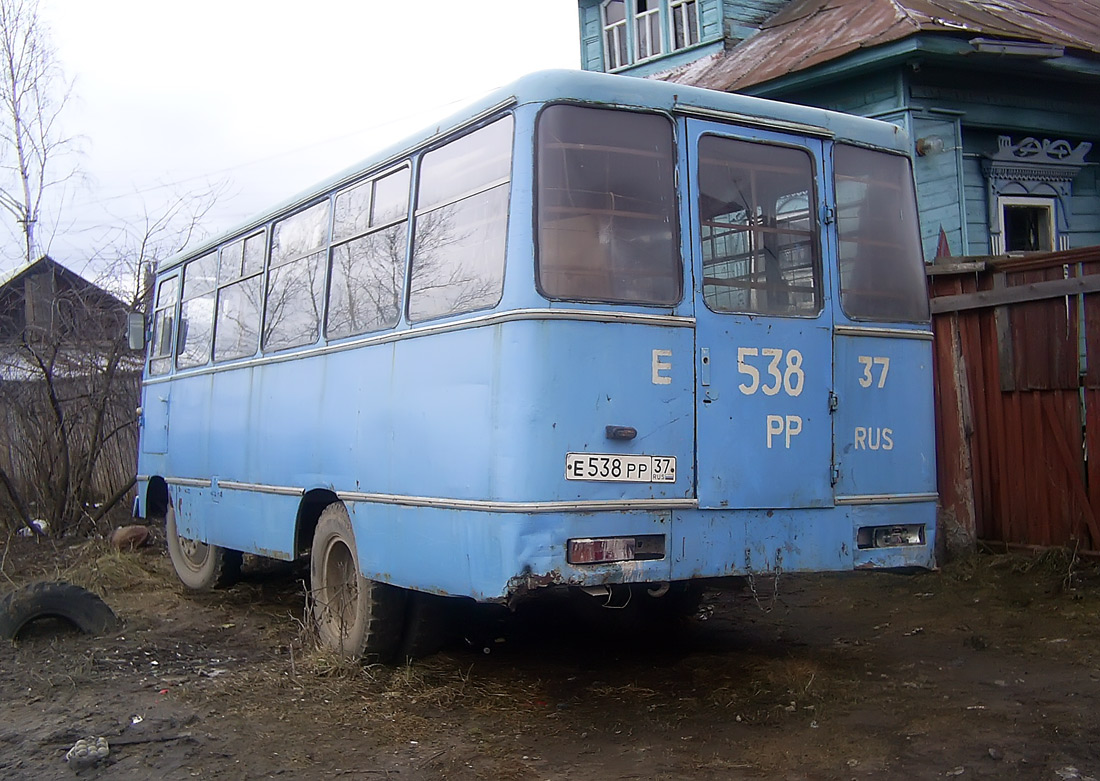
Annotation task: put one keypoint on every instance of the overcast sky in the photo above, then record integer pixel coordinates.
(268, 97)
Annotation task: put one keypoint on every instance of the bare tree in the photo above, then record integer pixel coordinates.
(69, 383)
(33, 93)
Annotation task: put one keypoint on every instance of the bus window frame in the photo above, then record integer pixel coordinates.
(264, 231)
(175, 274)
(416, 212)
(739, 134)
(324, 248)
(181, 332)
(840, 287)
(677, 205)
(372, 179)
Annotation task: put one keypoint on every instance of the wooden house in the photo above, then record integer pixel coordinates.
(1000, 97)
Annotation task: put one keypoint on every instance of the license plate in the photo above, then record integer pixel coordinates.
(620, 468)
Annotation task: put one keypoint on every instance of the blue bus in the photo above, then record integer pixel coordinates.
(597, 332)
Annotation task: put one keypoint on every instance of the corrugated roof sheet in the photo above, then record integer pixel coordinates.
(812, 32)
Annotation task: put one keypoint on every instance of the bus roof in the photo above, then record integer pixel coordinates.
(602, 89)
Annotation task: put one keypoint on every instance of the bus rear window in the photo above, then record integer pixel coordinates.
(881, 268)
(758, 230)
(607, 226)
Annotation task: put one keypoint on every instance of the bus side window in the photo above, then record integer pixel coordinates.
(164, 316)
(461, 224)
(196, 333)
(368, 269)
(237, 320)
(296, 281)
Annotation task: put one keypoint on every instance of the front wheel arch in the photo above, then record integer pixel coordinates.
(198, 565)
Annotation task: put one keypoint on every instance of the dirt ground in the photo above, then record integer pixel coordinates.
(988, 668)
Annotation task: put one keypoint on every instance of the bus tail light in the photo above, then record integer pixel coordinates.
(597, 550)
(890, 536)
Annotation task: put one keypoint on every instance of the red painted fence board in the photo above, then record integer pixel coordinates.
(1018, 402)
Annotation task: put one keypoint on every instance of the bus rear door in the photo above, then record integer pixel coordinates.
(763, 329)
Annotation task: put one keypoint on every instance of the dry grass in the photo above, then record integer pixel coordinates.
(107, 571)
(92, 564)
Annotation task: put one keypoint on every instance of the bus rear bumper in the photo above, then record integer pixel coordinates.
(537, 551)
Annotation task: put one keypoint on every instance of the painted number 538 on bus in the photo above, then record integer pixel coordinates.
(620, 468)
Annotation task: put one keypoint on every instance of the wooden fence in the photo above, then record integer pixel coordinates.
(30, 447)
(1017, 366)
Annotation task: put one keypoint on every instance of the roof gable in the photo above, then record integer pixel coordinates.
(46, 298)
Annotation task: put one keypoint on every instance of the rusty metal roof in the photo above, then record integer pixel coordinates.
(812, 32)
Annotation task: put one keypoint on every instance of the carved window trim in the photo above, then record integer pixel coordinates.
(1032, 169)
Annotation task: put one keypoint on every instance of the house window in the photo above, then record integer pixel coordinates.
(685, 23)
(647, 28)
(614, 34)
(1029, 186)
(1027, 224)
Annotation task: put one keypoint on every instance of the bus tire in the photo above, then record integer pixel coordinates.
(427, 624)
(199, 566)
(51, 599)
(355, 617)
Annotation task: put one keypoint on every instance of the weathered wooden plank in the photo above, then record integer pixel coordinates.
(954, 469)
(964, 267)
(1072, 464)
(1000, 460)
(1092, 446)
(1031, 483)
(1036, 291)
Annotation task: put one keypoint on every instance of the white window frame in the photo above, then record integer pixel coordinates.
(615, 32)
(680, 9)
(643, 27)
(1050, 204)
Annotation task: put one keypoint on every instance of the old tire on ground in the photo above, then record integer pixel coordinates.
(355, 616)
(51, 599)
(199, 566)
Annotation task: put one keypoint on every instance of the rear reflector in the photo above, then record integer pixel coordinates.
(596, 550)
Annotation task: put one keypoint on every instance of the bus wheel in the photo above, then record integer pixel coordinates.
(355, 616)
(427, 624)
(199, 566)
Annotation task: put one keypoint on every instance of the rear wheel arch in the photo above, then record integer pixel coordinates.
(309, 511)
(354, 615)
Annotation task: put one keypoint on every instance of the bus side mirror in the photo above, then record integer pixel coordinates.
(135, 330)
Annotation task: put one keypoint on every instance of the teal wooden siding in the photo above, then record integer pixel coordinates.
(1084, 211)
(591, 36)
(977, 206)
(710, 19)
(870, 96)
(1027, 105)
(939, 195)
